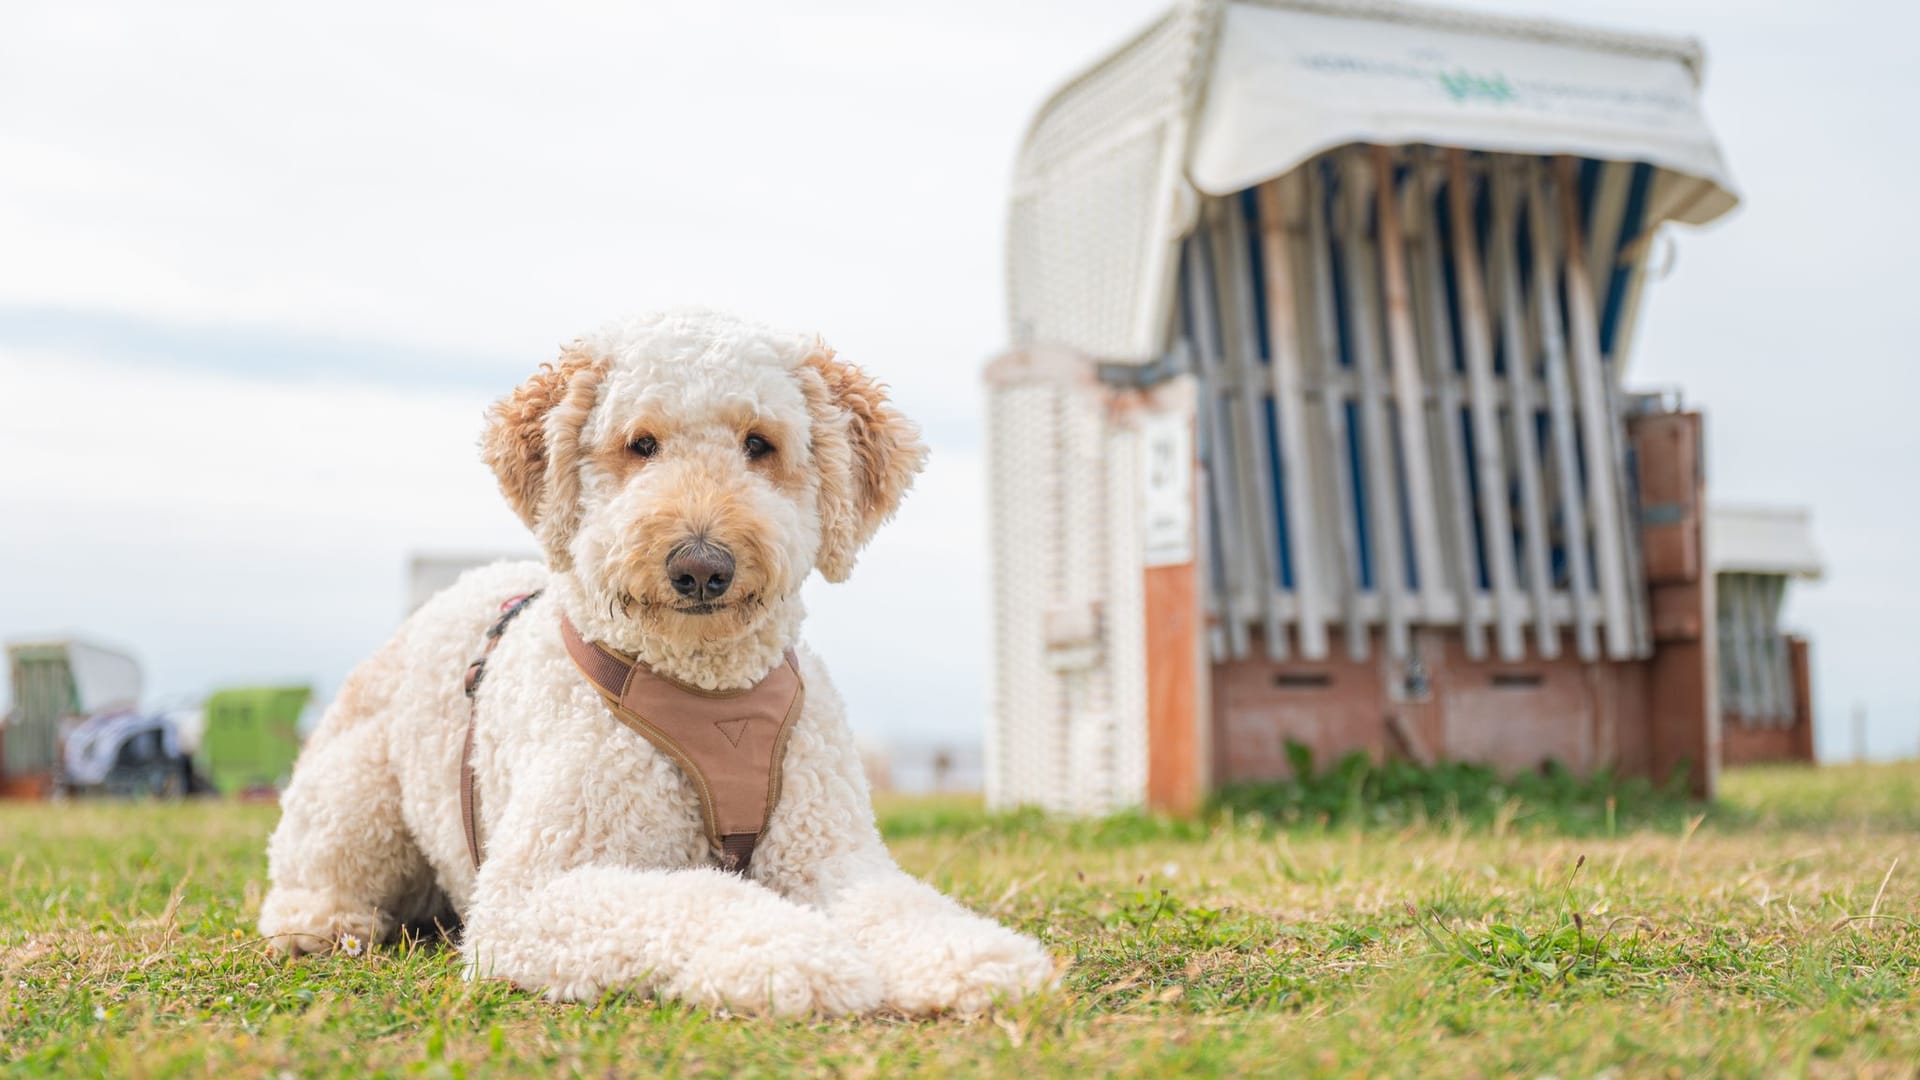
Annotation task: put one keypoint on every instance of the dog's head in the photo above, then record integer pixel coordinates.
(690, 469)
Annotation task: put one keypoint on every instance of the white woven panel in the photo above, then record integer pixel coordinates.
(1125, 623)
(1068, 731)
(1091, 217)
(1022, 759)
(1082, 588)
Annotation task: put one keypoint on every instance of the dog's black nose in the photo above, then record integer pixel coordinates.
(700, 571)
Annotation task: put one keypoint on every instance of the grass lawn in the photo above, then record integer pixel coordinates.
(1774, 933)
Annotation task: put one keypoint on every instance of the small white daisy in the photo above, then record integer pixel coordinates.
(352, 945)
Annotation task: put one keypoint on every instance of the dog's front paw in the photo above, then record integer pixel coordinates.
(788, 977)
(794, 980)
(965, 968)
(572, 991)
(300, 921)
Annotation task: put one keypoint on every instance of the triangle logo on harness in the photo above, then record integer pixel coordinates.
(732, 729)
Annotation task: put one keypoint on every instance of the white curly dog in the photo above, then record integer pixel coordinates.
(670, 430)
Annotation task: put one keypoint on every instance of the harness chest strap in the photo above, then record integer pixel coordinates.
(730, 743)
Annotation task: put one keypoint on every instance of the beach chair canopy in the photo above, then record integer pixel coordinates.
(1763, 540)
(1215, 98)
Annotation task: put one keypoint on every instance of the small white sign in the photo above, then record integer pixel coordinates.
(1168, 506)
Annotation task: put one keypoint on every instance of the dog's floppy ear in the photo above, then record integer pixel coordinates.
(866, 453)
(532, 443)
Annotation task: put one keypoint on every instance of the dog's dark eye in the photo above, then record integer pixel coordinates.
(645, 446)
(758, 447)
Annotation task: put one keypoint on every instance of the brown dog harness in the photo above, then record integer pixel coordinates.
(730, 743)
(469, 804)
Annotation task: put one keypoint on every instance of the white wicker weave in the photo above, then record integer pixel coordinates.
(1098, 196)
(1068, 728)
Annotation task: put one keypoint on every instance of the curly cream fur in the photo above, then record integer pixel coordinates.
(596, 874)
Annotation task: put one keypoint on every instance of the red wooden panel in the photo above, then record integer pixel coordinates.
(1174, 780)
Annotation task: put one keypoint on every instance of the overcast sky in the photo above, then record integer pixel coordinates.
(262, 267)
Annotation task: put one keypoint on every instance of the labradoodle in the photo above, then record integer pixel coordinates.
(683, 472)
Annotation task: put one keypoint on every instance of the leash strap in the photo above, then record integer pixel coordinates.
(469, 801)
